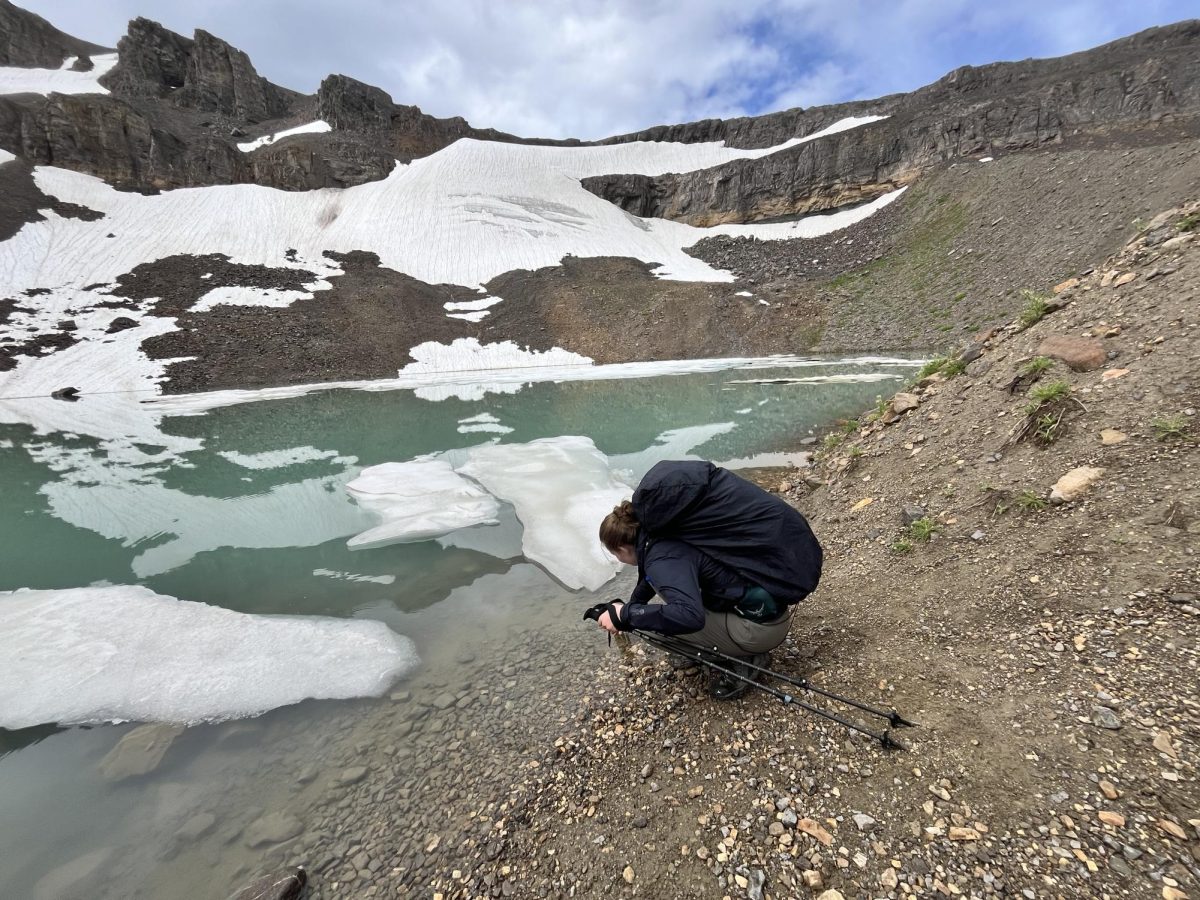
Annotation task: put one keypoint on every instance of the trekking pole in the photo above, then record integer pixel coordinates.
(886, 741)
(894, 718)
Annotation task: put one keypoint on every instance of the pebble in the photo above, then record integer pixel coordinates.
(1104, 717)
(863, 821)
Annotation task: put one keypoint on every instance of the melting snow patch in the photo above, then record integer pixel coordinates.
(252, 296)
(416, 501)
(743, 294)
(5, 156)
(764, 302)
(468, 355)
(16, 80)
(318, 127)
(350, 576)
(561, 488)
(125, 653)
(983, 159)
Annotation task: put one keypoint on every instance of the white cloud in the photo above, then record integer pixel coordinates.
(588, 69)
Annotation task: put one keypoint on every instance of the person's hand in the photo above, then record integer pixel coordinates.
(605, 621)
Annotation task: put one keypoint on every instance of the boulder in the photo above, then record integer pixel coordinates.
(139, 752)
(273, 828)
(1079, 353)
(1074, 483)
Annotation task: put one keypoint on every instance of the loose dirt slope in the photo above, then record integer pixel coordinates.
(1049, 651)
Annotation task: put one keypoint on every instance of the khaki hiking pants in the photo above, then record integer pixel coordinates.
(736, 636)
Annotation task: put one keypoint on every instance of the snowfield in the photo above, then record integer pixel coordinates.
(17, 80)
(463, 216)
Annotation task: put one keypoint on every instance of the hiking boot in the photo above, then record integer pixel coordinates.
(726, 687)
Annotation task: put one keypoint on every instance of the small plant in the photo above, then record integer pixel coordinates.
(854, 452)
(902, 546)
(1138, 223)
(850, 426)
(832, 440)
(946, 366)
(1044, 394)
(924, 529)
(1031, 502)
(1188, 223)
(960, 297)
(1171, 427)
(1048, 427)
(881, 406)
(1036, 306)
(1036, 366)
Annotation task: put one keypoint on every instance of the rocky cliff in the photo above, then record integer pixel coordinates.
(32, 42)
(178, 107)
(1130, 83)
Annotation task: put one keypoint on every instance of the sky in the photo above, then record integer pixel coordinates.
(588, 69)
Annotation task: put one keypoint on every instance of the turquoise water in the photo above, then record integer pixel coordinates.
(245, 507)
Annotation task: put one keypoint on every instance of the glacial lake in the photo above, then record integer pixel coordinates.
(243, 506)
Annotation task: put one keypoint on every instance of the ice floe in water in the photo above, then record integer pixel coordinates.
(416, 501)
(125, 653)
(561, 488)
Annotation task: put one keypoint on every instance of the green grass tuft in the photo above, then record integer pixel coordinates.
(1031, 502)
(1036, 366)
(1188, 223)
(1036, 306)
(1171, 427)
(1043, 394)
(902, 546)
(924, 529)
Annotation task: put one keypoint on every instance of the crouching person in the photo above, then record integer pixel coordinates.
(726, 559)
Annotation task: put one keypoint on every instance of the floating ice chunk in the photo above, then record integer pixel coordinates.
(561, 488)
(484, 422)
(416, 501)
(279, 459)
(318, 127)
(126, 653)
(350, 576)
(17, 80)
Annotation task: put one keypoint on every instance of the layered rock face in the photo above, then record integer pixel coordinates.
(1129, 83)
(30, 41)
(178, 107)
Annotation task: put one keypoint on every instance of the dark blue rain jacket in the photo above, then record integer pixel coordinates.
(706, 537)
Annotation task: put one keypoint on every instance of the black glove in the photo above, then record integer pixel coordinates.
(595, 612)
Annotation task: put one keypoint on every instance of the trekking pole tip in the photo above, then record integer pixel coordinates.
(887, 742)
(898, 721)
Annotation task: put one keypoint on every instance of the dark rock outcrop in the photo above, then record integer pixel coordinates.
(29, 41)
(1131, 83)
(204, 73)
(403, 131)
